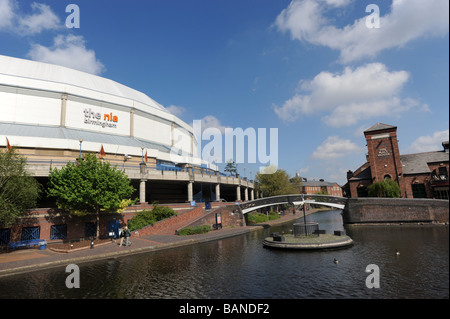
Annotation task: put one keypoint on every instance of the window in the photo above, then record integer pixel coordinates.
(441, 193)
(5, 235)
(31, 233)
(362, 192)
(91, 230)
(58, 232)
(419, 191)
(443, 173)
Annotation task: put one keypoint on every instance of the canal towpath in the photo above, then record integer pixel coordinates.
(28, 260)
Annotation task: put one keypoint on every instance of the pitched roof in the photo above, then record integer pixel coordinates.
(418, 163)
(362, 172)
(314, 183)
(379, 127)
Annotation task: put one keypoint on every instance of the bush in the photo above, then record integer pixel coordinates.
(386, 188)
(194, 230)
(258, 218)
(273, 216)
(149, 217)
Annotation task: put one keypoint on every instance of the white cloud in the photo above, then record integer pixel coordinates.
(176, 110)
(338, 3)
(429, 143)
(210, 121)
(43, 18)
(6, 14)
(407, 21)
(334, 147)
(69, 51)
(303, 171)
(349, 97)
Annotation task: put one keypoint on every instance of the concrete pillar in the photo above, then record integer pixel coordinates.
(238, 193)
(246, 194)
(190, 190)
(217, 192)
(63, 109)
(132, 122)
(142, 191)
(252, 194)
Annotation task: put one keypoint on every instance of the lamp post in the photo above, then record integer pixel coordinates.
(143, 167)
(81, 142)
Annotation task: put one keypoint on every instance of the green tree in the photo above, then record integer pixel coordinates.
(90, 186)
(19, 191)
(297, 183)
(274, 184)
(231, 167)
(386, 188)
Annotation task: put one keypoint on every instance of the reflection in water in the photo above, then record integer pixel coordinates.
(240, 267)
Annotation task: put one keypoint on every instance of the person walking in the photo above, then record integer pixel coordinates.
(122, 236)
(127, 235)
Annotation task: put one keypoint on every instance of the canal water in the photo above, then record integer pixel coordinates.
(240, 267)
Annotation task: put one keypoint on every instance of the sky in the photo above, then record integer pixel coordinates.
(318, 72)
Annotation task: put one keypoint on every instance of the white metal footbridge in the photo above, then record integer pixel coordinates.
(297, 199)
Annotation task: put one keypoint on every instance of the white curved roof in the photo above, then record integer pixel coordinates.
(69, 80)
(32, 112)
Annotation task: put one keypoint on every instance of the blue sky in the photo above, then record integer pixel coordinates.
(313, 69)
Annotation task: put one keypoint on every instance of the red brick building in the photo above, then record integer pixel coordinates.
(311, 187)
(421, 175)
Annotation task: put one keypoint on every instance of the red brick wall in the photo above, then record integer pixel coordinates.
(168, 226)
(394, 210)
(76, 226)
(380, 165)
(231, 217)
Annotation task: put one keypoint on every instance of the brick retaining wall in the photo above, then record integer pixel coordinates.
(168, 226)
(231, 217)
(394, 210)
(45, 218)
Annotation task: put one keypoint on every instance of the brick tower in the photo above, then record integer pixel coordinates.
(383, 153)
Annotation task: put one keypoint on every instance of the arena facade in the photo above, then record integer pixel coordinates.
(52, 115)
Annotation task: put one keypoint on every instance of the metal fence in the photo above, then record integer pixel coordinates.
(306, 229)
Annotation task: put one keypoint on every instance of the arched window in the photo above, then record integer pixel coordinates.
(387, 176)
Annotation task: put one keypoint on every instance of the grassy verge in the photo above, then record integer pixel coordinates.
(258, 218)
(194, 230)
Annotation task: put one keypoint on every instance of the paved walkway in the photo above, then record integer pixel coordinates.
(26, 260)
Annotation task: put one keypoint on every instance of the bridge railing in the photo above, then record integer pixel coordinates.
(291, 199)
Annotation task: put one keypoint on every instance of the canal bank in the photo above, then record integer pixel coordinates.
(30, 260)
(240, 267)
(395, 210)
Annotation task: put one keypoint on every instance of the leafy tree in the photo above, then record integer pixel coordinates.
(19, 191)
(274, 184)
(90, 186)
(297, 182)
(386, 188)
(149, 217)
(323, 191)
(231, 167)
